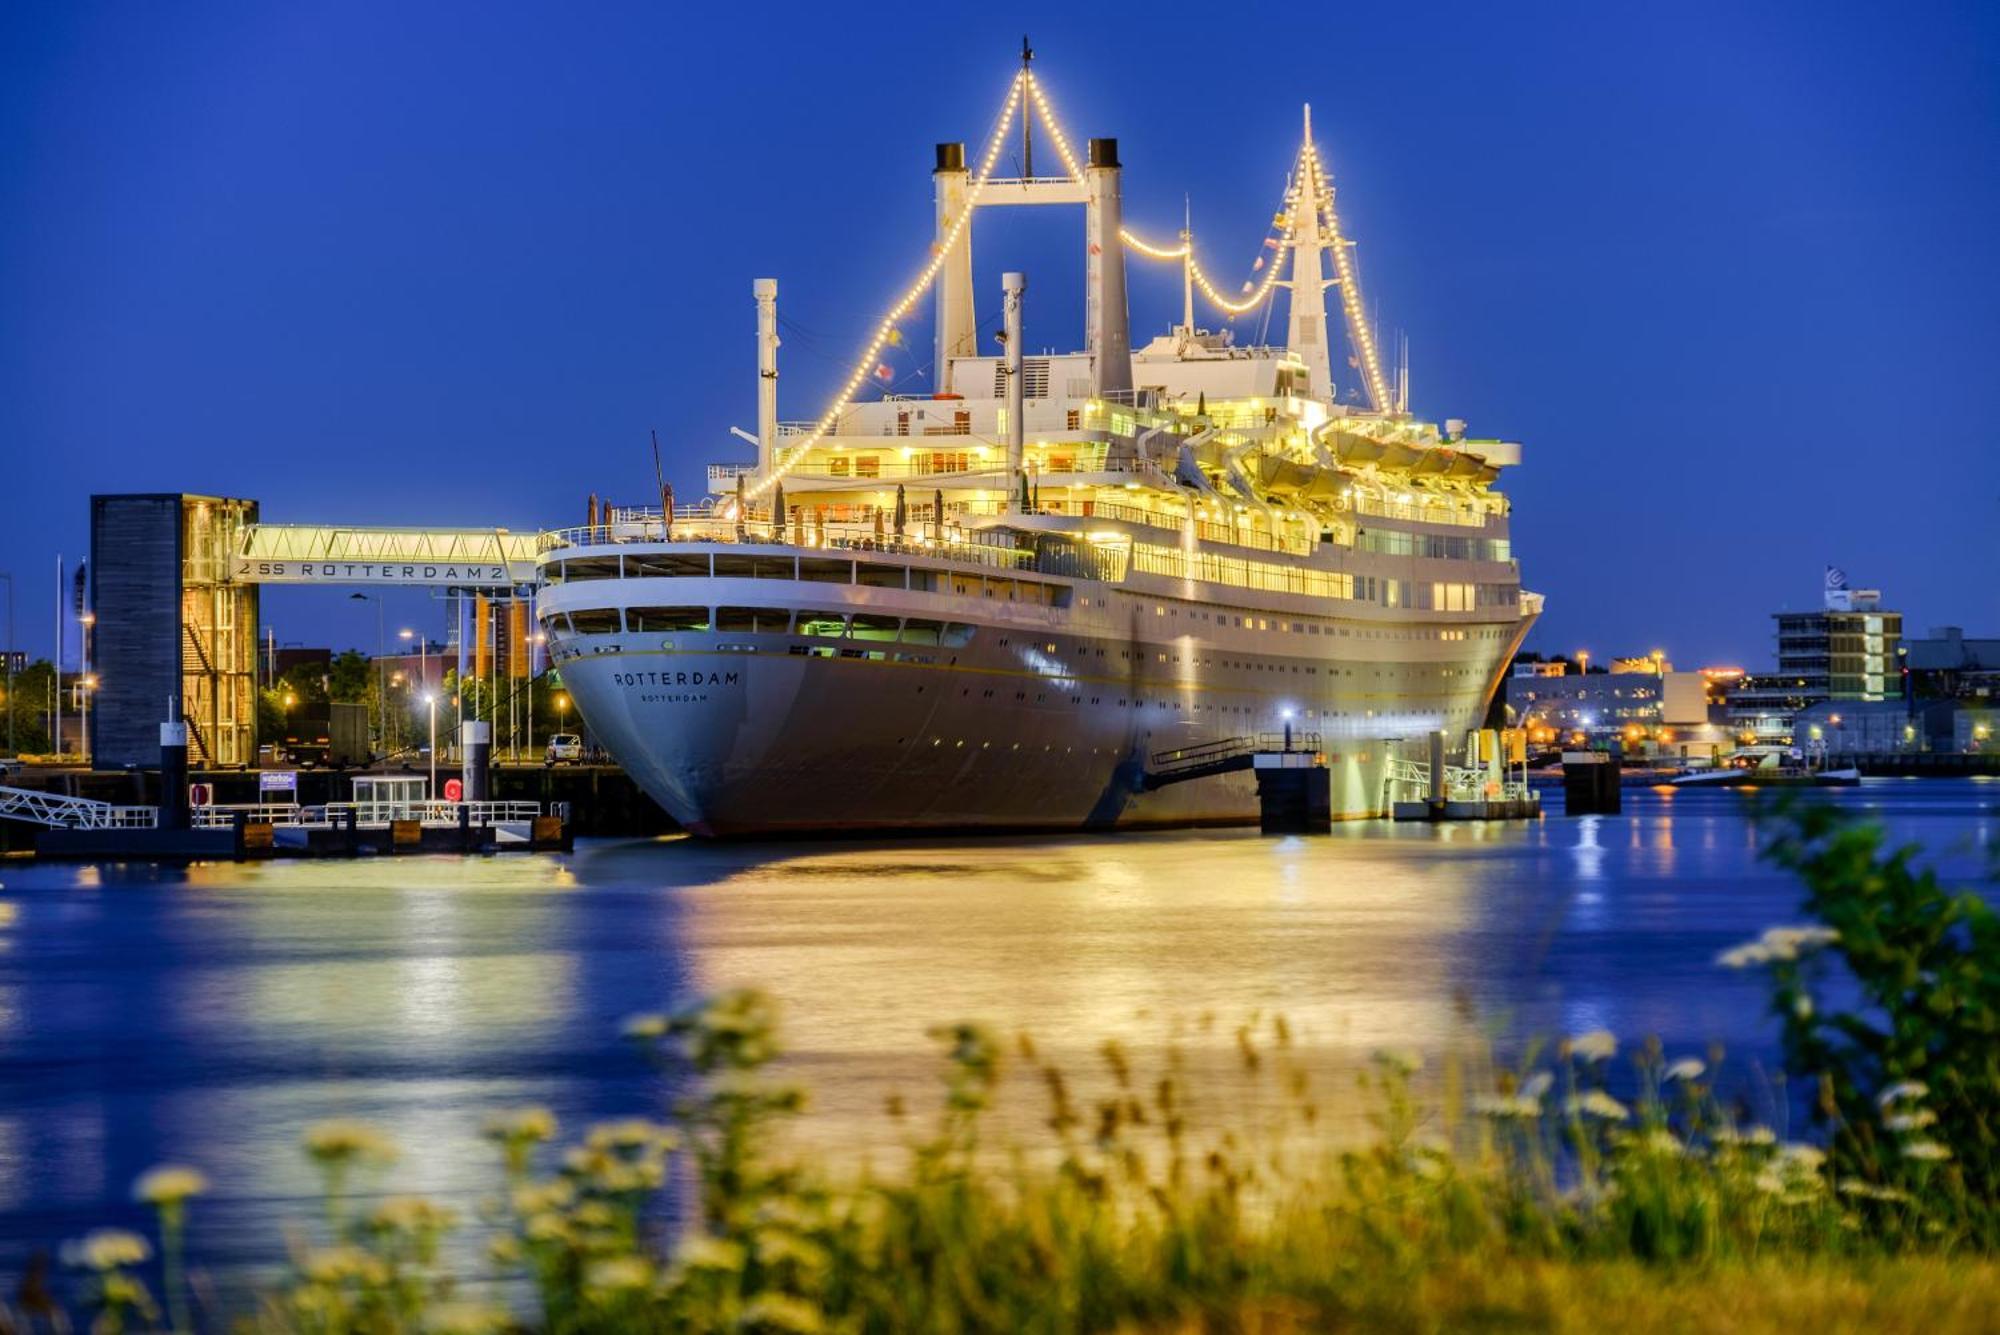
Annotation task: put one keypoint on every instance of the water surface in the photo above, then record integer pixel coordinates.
(206, 1014)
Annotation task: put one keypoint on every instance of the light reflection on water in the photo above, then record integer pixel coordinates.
(206, 1015)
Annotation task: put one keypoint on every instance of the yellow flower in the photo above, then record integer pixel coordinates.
(782, 1312)
(631, 1133)
(644, 1027)
(702, 1252)
(465, 1319)
(521, 1125)
(1595, 1046)
(338, 1265)
(168, 1185)
(554, 1194)
(341, 1141)
(619, 1274)
(411, 1214)
(108, 1249)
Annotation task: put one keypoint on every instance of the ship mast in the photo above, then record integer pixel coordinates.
(1027, 122)
(1306, 334)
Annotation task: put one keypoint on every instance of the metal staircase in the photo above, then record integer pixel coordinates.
(1223, 757)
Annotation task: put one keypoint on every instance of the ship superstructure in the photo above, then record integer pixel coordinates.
(990, 605)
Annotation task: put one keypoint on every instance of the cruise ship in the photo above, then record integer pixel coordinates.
(997, 604)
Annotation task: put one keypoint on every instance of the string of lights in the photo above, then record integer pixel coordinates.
(1350, 285)
(940, 252)
(1047, 116)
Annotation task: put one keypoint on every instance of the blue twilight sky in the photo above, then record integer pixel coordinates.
(1728, 270)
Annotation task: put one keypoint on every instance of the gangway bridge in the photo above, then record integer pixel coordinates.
(343, 554)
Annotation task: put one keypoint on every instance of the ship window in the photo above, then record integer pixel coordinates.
(868, 465)
(867, 626)
(761, 619)
(755, 567)
(595, 621)
(882, 577)
(675, 565)
(666, 618)
(918, 630)
(591, 567)
(957, 635)
(822, 571)
(822, 623)
(1000, 588)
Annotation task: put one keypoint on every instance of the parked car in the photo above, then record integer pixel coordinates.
(565, 746)
(9, 767)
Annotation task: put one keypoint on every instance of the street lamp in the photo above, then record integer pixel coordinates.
(1582, 662)
(8, 575)
(430, 699)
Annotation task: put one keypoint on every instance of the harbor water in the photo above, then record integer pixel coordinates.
(206, 1015)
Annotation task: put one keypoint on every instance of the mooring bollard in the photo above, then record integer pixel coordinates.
(174, 776)
(1590, 784)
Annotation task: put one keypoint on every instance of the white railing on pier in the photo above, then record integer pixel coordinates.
(58, 811)
(1410, 781)
(333, 815)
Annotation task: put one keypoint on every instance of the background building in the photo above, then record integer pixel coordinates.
(1947, 666)
(1850, 650)
(171, 628)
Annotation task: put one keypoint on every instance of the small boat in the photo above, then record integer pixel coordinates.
(1768, 766)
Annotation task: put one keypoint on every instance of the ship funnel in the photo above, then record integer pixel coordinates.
(1107, 321)
(766, 290)
(1012, 287)
(957, 328)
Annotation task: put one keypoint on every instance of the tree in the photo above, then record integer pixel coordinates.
(27, 708)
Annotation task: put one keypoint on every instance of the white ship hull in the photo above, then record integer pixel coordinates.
(1043, 719)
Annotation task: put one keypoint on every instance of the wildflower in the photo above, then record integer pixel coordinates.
(1771, 1182)
(645, 1028)
(168, 1185)
(1662, 1142)
(1805, 1158)
(1403, 1061)
(339, 1265)
(554, 1194)
(1902, 1090)
(1596, 1103)
(411, 1214)
(1854, 1186)
(462, 1318)
(1910, 1121)
(107, 1249)
(340, 1141)
(545, 1226)
(1745, 956)
(1536, 1085)
(632, 1133)
(521, 1126)
(1596, 1046)
(1927, 1150)
(619, 1274)
(1507, 1105)
(702, 1252)
(1791, 942)
(1687, 1068)
(782, 1312)
(1777, 943)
